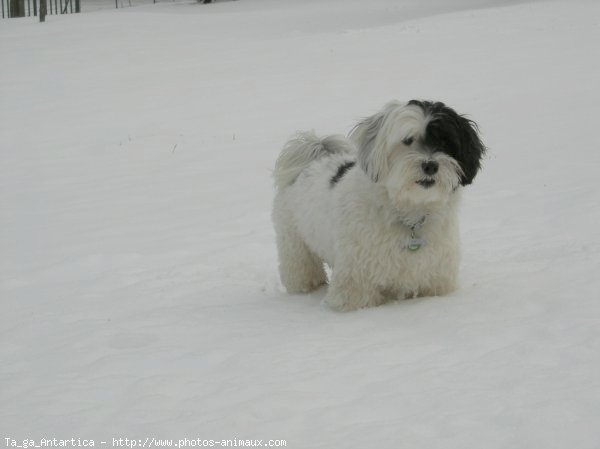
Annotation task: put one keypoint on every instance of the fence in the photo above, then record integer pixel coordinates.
(25, 8)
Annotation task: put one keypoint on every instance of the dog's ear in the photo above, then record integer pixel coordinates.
(364, 134)
(471, 149)
(455, 135)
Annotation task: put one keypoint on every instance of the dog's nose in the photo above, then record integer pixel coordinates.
(430, 167)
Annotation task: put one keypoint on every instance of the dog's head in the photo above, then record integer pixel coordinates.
(421, 151)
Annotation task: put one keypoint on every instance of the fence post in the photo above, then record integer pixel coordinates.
(17, 8)
(77, 5)
(43, 10)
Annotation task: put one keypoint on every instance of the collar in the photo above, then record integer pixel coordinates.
(414, 243)
(414, 225)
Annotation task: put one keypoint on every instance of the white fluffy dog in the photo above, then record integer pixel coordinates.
(380, 209)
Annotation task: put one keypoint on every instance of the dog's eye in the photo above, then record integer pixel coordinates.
(408, 141)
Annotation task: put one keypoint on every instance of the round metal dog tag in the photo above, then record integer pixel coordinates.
(415, 244)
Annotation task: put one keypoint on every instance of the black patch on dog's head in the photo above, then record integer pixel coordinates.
(454, 135)
(341, 171)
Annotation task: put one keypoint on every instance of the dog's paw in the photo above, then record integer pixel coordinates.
(295, 287)
(336, 305)
(339, 303)
(345, 301)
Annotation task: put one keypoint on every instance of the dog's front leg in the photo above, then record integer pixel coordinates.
(347, 292)
(441, 287)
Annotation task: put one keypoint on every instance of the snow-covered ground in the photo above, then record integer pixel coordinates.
(138, 273)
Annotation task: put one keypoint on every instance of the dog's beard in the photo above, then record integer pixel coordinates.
(406, 183)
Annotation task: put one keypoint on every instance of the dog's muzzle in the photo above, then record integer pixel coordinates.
(426, 182)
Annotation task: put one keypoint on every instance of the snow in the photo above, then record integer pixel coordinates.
(138, 273)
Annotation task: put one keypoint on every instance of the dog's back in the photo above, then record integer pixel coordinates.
(304, 148)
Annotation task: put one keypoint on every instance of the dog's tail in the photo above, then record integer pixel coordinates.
(301, 150)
